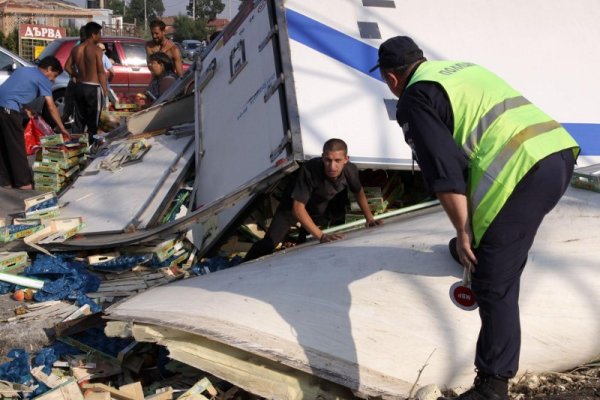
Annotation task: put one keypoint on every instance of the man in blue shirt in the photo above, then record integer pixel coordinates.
(24, 85)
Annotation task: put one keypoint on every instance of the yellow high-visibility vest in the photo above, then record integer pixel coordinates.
(500, 131)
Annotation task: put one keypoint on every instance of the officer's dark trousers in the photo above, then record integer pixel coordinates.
(501, 257)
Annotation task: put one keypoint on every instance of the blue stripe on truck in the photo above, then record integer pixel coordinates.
(332, 43)
(362, 57)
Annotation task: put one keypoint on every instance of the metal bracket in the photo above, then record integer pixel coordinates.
(273, 87)
(281, 147)
(274, 31)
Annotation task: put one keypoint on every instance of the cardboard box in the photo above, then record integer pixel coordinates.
(8, 234)
(52, 140)
(36, 200)
(63, 164)
(163, 250)
(48, 178)
(13, 262)
(63, 152)
(46, 167)
(55, 231)
(587, 178)
(44, 213)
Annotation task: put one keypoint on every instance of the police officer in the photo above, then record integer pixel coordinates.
(498, 165)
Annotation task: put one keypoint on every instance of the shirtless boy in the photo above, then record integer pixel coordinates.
(160, 44)
(91, 89)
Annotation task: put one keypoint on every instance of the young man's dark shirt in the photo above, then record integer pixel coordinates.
(314, 189)
(425, 110)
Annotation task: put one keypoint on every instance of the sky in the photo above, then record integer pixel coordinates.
(175, 7)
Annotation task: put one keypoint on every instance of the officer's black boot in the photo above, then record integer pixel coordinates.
(485, 388)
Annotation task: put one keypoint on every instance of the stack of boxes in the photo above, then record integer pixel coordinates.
(37, 208)
(587, 178)
(60, 162)
(379, 199)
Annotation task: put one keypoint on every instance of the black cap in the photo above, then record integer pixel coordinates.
(397, 52)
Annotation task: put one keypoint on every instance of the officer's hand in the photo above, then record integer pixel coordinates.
(373, 222)
(330, 238)
(465, 252)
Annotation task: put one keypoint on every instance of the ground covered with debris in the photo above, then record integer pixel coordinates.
(52, 339)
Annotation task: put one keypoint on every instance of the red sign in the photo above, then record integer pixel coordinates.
(41, 32)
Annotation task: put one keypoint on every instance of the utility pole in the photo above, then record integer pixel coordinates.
(194, 10)
(145, 17)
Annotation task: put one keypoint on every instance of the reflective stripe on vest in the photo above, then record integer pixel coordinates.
(501, 132)
(488, 119)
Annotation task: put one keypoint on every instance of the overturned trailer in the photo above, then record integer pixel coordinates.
(286, 76)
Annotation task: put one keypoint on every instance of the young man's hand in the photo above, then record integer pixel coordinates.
(330, 237)
(373, 222)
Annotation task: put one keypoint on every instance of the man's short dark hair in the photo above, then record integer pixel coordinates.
(335, 145)
(92, 28)
(157, 23)
(82, 33)
(51, 62)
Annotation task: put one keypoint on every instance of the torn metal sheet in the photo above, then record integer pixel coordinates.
(113, 201)
(182, 225)
(366, 312)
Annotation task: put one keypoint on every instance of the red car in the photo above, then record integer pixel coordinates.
(128, 54)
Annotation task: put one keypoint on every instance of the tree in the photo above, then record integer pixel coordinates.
(11, 42)
(135, 11)
(205, 9)
(187, 28)
(72, 31)
(116, 6)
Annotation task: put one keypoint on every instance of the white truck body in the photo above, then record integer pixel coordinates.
(285, 76)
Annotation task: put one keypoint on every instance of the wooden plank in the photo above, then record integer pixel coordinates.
(115, 393)
(89, 395)
(67, 391)
(259, 375)
(134, 390)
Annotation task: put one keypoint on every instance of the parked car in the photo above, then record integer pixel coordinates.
(191, 47)
(9, 61)
(129, 64)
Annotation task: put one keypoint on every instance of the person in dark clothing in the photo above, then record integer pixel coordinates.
(317, 195)
(496, 172)
(163, 75)
(91, 90)
(69, 106)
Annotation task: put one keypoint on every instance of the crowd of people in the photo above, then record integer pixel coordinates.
(88, 93)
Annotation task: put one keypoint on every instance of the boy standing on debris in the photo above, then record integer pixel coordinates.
(315, 194)
(21, 88)
(91, 90)
(498, 165)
